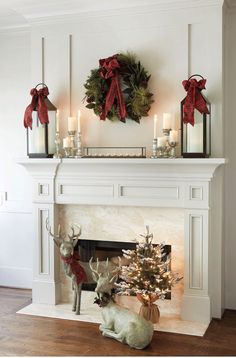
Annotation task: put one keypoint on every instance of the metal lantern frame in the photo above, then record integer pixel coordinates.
(45, 153)
(206, 133)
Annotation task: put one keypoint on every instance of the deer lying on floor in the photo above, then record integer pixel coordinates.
(119, 323)
(72, 267)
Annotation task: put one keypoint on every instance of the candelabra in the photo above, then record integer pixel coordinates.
(57, 155)
(79, 146)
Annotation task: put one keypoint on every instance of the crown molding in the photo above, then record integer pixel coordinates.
(172, 5)
(57, 16)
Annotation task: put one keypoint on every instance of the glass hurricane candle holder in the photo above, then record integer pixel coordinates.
(160, 151)
(73, 145)
(57, 155)
(154, 148)
(79, 153)
(67, 151)
(172, 145)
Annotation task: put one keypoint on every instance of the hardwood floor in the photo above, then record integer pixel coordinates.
(22, 335)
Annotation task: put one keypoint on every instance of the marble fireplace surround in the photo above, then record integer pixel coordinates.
(188, 184)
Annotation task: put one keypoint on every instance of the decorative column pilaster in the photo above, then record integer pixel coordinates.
(196, 300)
(46, 282)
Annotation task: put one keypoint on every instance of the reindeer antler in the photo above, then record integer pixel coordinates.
(95, 273)
(74, 236)
(57, 238)
(114, 273)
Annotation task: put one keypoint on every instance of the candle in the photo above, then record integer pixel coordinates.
(71, 124)
(39, 139)
(78, 121)
(173, 136)
(161, 141)
(166, 120)
(155, 126)
(57, 121)
(66, 142)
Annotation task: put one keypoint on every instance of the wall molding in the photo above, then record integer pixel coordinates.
(14, 206)
(76, 14)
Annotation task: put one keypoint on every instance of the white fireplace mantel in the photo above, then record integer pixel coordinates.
(190, 184)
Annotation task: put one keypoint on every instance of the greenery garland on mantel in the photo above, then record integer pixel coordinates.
(131, 89)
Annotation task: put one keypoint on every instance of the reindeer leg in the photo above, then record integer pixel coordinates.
(78, 294)
(111, 334)
(79, 298)
(74, 297)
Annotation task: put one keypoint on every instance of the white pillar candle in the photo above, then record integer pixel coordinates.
(161, 141)
(66, 142)
(71, 124)
(173, 136)
(57, 121)
(39, 139)
(155, 127)
(166, 120)
(78, 121)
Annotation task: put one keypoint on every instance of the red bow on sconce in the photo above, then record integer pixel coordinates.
(194, 99)
(38, 101)
(109, 71)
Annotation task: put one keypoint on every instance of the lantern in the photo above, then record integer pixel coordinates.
(195, 120)
(40, 122)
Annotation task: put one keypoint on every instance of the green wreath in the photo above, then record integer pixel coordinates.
(118, 89)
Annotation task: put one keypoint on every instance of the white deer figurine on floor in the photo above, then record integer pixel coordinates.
(119, 322)
(70, 260)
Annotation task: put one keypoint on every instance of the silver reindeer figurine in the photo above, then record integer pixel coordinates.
(119, 323)
(70, 261)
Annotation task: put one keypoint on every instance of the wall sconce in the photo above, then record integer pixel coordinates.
(40, 123)
(195, 120)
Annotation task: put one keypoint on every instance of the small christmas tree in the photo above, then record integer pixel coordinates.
(148, 275)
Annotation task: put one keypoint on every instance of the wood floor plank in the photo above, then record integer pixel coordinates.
(22, 335)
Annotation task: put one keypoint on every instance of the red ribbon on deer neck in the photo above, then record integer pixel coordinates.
(109, 71)
(194, 99)
(38, 101)
(76, 268)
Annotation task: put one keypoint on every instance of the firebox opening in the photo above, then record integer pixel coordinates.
(106, 249)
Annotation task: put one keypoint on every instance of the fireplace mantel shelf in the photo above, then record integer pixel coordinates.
(128, 161)
(190, 184)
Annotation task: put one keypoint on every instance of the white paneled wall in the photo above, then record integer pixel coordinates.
(171, 45)
(15, 186)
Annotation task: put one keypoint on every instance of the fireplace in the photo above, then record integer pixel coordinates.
(101, 250)
(190, 186)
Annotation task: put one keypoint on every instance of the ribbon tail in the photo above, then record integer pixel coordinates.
(200, 104)
(120, 100)
(28, 116)
(28, 112)
(189, 107)
(109, 100)
(42, 110)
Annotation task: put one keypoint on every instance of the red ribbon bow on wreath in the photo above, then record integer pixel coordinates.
(38, 101)
(76, 268)
(194, 99)
(109, 70)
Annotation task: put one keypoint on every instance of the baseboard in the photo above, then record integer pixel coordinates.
(16, 277)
